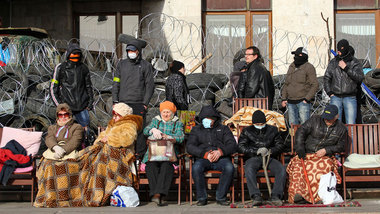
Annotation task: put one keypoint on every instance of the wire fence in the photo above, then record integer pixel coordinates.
(24, 82)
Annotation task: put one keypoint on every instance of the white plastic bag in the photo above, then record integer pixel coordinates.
(124, 196)
(327, 189)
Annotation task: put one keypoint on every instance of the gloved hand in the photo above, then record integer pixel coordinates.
(262, 151)
(156, 133)
(59, 152)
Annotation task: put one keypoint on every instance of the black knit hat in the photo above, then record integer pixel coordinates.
(258, 117)
(176, 66)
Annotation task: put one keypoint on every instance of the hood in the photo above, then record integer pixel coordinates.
(65, 107)
(72, 48)
(208, 111)
(138, 43)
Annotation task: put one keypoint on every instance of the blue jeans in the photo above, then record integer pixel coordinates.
(83, 117)
(253, 164)
(350, 107)
(298, 113)
(224, 165)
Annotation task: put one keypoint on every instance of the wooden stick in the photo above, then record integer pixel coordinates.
(200, 63)
(307, 181)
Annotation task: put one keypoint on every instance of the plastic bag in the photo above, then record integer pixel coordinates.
(327, 189)
(124, 196)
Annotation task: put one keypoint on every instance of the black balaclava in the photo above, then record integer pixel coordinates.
(300, 60)
(344, 47)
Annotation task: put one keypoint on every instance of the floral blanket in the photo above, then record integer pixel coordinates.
(244, 118)
(87, 181)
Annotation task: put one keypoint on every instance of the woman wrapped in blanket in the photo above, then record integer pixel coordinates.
(89, 179)
(160, 173)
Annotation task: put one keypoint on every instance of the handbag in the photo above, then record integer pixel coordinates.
(327, 189)
(48, 154)
(163, 149)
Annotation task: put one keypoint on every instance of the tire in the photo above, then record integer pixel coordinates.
(14, 84)
(204, 80)
(157, 97)
(152, 112)
(101, 81)
(40, 122)
(202, 94)
(225, 109)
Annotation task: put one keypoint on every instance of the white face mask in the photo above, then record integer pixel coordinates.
(259, 127)
(132, 55)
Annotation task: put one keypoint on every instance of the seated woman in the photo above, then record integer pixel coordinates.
(65, 136)
(89, 179)
(316, 142)
(160, 173)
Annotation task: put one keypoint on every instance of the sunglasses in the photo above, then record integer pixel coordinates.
(63, 115)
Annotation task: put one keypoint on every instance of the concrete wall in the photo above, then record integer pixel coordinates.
(294, 17)
(182, 10)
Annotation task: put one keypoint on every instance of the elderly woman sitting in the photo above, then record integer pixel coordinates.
(89, 179)
(160, 173)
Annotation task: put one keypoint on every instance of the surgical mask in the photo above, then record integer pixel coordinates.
(206, 123)
(259, 127)
(132, 55)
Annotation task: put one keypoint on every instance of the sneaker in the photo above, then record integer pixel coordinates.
(223, 203)
(275, 201)
(257, 200)
(202, 203)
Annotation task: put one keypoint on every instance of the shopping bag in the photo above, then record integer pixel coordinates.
(188, 120)
(161, 150)
(327, 189)
(124, 196)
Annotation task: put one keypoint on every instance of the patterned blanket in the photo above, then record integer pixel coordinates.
(87, 181)
(315, 168)
(244, 118)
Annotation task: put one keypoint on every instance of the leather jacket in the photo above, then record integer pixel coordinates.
(256, 82)
(251, 139)
(314, 135)
(343, 82)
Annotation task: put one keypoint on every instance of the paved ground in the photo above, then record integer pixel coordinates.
(368, 206)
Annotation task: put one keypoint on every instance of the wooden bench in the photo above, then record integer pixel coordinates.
(25, 178)
(362, 139)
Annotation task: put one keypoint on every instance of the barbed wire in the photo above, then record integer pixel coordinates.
(24, 87)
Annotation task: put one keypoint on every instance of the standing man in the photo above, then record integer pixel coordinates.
(133, 84)
(343, 74)
(256, 82)
(255, 142)
(211, 143)
(300, 87)
(71, 84)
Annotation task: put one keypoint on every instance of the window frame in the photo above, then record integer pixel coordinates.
(248, 24)
(377, 27)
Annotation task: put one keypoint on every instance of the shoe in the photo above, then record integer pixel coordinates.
(202, 203)
(257, 200)
(156, 199)
(275, 201)
(162, 202)
(298, 199)
(223, 203)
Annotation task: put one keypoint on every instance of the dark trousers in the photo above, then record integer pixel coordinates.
(138, 109)
(253, 164)
(160, 175)
(224, 165)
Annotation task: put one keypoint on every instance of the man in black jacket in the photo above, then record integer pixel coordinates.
(212, 144)
(133, 84)
(254, 142)
(322, 135)
(71, 84)
(343, 74)
(256, 82)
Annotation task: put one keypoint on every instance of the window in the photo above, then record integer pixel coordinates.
(360, 30)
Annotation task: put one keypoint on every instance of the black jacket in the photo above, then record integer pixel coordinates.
(71, 83)
(202, 140)
(177, 91)
(314, 135)
(256, 82)
(251, 139)
(133, 80)
(343, 82)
